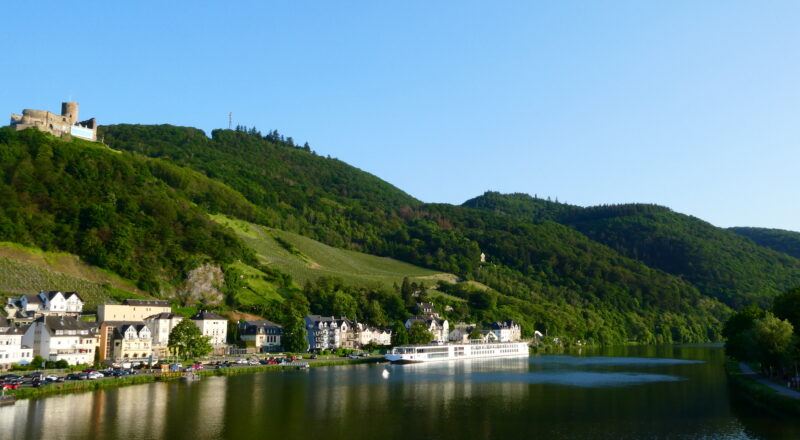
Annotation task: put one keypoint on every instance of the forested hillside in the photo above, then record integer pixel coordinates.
(112, 209)
(543, 273)
(780, 240)
(719, 262)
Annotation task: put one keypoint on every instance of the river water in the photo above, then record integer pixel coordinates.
(660, 392)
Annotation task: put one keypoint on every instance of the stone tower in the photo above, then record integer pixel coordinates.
(70, 111)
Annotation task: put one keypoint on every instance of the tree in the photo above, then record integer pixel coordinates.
(186, 340)
(787, 306)
(399, 334)
(475, 333)
(774, 338)
(738, 332)
(419, 334)
(294, 334)
(407, 293)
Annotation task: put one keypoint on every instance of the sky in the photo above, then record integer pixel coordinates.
(691, 105)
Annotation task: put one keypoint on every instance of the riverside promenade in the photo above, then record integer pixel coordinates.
(782, 390)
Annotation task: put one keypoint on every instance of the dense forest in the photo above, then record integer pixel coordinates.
(140, 207)
(111, 209)
(780, 240)
(719, 262)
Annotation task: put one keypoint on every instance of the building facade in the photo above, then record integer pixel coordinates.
(328, 333)
(66, 338)
(440, 328)
(161, 326)
(133, 310)
(58, 125)
(26, 308)
(506, 331)
(364, 334)
(12, 351)
(214, 326)
(264, 336)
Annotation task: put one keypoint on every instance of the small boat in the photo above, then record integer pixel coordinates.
(303, 366)
(190, 377)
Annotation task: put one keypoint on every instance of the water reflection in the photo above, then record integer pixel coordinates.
(675, 392)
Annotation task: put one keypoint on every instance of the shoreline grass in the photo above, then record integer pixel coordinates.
(102, 384)
(757, 393)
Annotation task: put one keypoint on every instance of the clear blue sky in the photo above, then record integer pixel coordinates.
(693, 105)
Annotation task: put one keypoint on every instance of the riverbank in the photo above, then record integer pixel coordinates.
(746, 386)
(82, 386)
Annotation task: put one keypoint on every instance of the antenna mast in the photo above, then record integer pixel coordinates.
(230, 120)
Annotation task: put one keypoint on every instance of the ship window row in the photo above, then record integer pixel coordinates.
(434, 350)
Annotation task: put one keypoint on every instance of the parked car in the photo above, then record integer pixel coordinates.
(95, 375)
(241, 361)
(11, 385)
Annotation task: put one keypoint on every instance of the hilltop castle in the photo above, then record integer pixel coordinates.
(59, 125)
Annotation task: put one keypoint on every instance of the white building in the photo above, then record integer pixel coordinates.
(66, 338)
(133, 310)
(161, 326)
(213, 325)
(506, 331)
(262, 335)
(363, 335)
(132, 343)
(460, 333)
(47, 302)
(440, 328)
(328, 333)
(11, 349)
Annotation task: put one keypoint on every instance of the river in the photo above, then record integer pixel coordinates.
(613, 393)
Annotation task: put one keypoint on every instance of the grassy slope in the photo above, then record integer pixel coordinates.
(310, 259)
(26, 270)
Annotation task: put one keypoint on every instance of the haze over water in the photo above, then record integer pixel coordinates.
(637, 392)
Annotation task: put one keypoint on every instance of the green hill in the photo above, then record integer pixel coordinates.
(25, 270)
(720, 263)
(780, 240)
(545, 274)
(141, 218)
(308, 260)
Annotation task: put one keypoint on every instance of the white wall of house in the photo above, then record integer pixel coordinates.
(73, 347)
(161, 328)
(217, 329)
(122, 312)
(12, 351)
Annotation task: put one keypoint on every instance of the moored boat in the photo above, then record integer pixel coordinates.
(408, 354)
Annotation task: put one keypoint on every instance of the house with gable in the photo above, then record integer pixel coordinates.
(440, 328)
(62, 337)
(215, 327)
(264, 336)
(506, 331)
(161, 326)
(27, 308)
(12, 351)
(329, 333)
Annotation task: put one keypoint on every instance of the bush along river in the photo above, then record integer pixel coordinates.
(609, 393)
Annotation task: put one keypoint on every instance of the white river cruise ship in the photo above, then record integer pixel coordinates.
(408, 354)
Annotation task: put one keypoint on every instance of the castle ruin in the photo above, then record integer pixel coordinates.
(59, 125)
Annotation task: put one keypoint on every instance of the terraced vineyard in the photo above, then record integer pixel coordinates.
(306, 259)
(26, 270)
